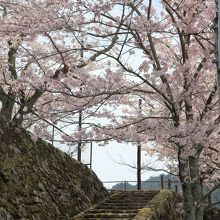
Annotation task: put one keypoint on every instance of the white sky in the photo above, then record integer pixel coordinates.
(105, 158)
(105, 162)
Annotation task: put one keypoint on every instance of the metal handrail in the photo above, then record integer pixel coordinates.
(161, 181)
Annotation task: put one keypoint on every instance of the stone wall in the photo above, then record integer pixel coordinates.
(40, 182)
(162, 206)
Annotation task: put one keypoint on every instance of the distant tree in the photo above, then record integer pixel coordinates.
(151, 183)
(124, 186)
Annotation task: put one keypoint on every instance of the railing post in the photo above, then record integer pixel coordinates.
(125, 185)
(139, 154)
(209, 200)
(53, 131)
(176, 188)
(169, 184)
(91, 155)
(161, 181)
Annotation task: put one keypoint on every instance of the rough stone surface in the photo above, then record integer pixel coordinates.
(39, 182)
(162, 206)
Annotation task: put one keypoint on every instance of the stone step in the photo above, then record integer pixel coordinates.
(121, 205)
(118, 201)
(139, 192)
(134, 204)
(128, 201)
(121, 218)
(113, 210)
(131, 198)
(109, 215)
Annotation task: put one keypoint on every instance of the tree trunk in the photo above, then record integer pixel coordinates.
(7, 108)
(197, 187)
(139, 166)
(192, 189)
(188, 202)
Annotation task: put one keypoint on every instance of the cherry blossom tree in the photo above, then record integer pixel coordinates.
(62, 57)
(168, 55)
(44, 77)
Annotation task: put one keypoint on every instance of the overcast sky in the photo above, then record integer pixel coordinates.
(105, 161)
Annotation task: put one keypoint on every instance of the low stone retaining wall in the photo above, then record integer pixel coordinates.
(162, 206)
(40, 182)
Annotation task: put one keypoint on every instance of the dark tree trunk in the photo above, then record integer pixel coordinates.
(139, 166)
(197, 187)
(192, 189)
(7, 108)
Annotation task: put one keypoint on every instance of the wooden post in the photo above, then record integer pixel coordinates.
(161, 182)
(209, 201)
(91, 155)
(139, 156)
(53, 131)
(169, 184)
(79, 150)
(176, 188)
(209, 211)
(138, 166)
(125, 185)
(80, 140)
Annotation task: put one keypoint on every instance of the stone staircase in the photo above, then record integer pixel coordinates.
(120, 205)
